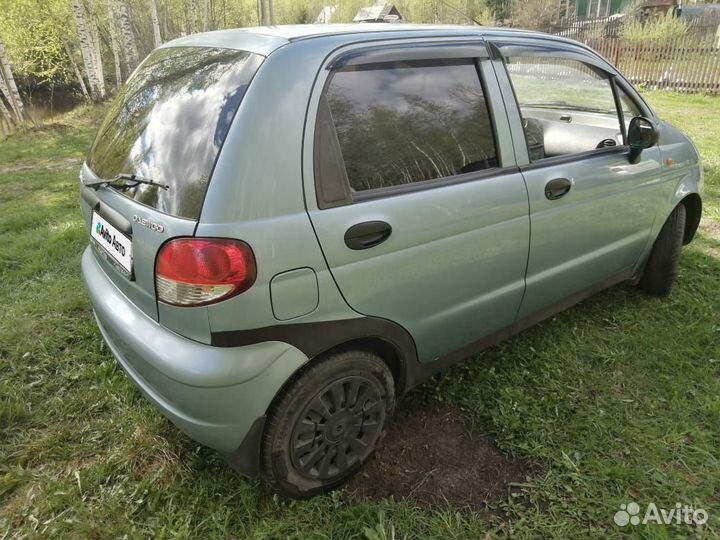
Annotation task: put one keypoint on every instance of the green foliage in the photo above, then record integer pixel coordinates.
(533, 14)
(660, 27)
(382, 531)
(41, 35)
(34, 33)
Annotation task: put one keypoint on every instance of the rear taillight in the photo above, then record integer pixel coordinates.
(199, 271)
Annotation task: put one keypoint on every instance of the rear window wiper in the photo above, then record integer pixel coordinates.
(124, 177)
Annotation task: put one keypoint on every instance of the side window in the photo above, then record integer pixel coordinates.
(406, 122)
(567, 106)
(629, 108)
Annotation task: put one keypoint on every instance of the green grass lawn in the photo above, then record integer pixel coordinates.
(615, 400)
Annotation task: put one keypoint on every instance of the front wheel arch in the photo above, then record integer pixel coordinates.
(693, 208)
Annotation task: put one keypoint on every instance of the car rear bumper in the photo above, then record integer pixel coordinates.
(213, 394)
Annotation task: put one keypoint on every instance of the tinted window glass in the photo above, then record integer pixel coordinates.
(407, 122)
(567, 107)
(169, 122)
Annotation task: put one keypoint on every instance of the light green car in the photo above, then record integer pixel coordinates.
(290, 227)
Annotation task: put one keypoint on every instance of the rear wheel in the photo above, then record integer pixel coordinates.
(662, 265)
(327, 423)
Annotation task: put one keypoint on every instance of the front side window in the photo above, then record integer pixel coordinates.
(406, 122)
(567, 107)
(629, 108)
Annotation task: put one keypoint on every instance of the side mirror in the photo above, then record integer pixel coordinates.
(642, 134)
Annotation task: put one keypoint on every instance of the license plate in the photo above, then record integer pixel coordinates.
(113, 242)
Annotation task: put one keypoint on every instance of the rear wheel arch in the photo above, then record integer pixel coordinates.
(387, 351)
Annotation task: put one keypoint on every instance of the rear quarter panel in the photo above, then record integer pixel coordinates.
(256, 193)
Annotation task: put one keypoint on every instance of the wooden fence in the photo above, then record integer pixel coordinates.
(690, 64)
(584, 29)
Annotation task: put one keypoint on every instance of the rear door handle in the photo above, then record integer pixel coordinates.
(367, 234)
(557, 188)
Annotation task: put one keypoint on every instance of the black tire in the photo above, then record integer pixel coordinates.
(327, 423)
(662, 265)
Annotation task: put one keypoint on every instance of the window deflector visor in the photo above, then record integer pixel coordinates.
(409, 52)
(540, 48)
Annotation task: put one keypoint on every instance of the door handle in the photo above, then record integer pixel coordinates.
(557, 188)
(367, 234)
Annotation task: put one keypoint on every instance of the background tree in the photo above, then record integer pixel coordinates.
(155, 23)
(114, 44)
(90, 51)
(77, 73)
(130, 49)
(82, 50)
(8, 90)
(534, 14)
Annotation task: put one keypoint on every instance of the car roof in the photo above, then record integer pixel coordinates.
(265, 39)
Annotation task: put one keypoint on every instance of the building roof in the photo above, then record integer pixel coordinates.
(376, 13)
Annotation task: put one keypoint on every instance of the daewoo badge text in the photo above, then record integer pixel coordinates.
(145, 222)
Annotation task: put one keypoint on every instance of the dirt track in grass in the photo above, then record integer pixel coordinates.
(430, 457)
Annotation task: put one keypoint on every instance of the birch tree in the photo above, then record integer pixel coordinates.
(78, 74)
(6, 118)
(8, 86)
(132, 58)
(7, 113)
(192, 18)
(115, 49)
(204, 15)
(155, 23)
(265, 12)
(97, 56)
(88, 51)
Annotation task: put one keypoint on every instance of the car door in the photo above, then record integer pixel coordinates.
(417, 201)
(591, 210)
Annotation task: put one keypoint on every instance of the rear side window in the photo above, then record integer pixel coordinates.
(169, 122)
(406, 122)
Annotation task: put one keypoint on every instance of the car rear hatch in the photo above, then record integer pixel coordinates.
(166, 126)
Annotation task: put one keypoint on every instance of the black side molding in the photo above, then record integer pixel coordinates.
(316, 338)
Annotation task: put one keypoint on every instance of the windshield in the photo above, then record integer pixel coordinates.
(169, 122)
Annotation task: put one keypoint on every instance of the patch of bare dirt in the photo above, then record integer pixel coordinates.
(430, 457)
(19, 500)
(61, 163)
(711, 228)
(50, 127)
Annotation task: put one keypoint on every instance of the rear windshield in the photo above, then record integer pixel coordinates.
(168, 124)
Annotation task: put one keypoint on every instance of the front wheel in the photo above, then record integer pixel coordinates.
(662, 265)
(327, 423)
